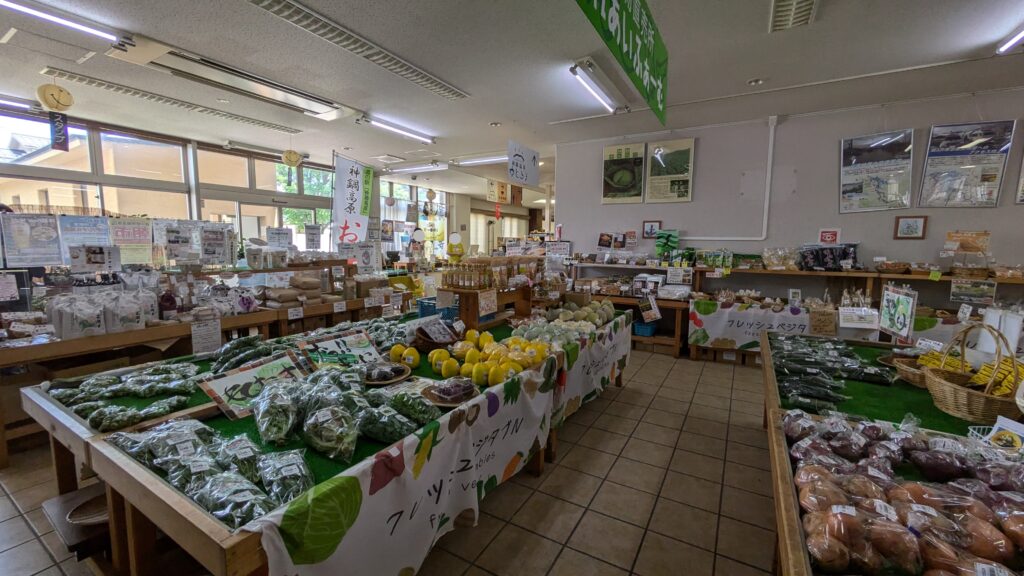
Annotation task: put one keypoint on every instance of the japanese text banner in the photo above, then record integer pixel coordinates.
(353, 184)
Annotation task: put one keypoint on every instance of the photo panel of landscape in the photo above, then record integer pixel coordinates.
(670, 171)
(965, 164)
(875, 172)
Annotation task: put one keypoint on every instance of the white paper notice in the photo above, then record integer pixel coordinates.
(205, 336)
(675, 276)
(340, 306)
(8, 288)
(295, 313)
(964, 314)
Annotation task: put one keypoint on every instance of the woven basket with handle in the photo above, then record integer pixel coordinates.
(949, 388)
(909, 372)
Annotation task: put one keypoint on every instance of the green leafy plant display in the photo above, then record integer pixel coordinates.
(314, 525)
(922, 323)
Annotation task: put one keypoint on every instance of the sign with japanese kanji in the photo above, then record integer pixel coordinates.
(353, 186)
(523, 164)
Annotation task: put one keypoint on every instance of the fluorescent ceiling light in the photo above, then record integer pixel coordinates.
(484, 160)
(58, 20)
(19, 103)
(543, 201)
(397, 129)
(431, 167)
(585, 76)
(1011, 42)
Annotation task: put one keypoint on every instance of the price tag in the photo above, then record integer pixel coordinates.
(935, 275)
(879, 259)
(716, 274)
(885, 510)
(929, 344)
(205, 336)
(983, 569)
(964, 314)
(924, 509)
(946, 254)
(842, 509)
(396, 300)
(846, 264)
(371, 301)
(295, 313)
(340, 306)
(554, 295)
(459, 326)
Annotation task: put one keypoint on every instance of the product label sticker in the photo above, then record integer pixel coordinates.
(290, 470)
(924, 509)
(198, 466)
(885, 510)
(243, 496)
(842, 509)
(982, 569)
(295, 313)
(945, 445)
(929, 344)
(186, 448)
(340, 306)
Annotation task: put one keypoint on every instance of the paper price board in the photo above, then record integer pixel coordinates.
(206, 336)
(972, 291)
(348, 348)
(896, 316)
(823, 322)
(340, 307)
(279, 237)
(488, 302)
(558, 249)
(31, 240)
(927, 344)
(852, 317)
(235, 390)
(649, 309)
(295, 313)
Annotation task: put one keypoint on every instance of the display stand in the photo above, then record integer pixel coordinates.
(679, 308)
(322, 315)
(469, 306)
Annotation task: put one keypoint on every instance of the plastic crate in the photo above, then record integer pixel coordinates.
(644, 328)
(427, 306)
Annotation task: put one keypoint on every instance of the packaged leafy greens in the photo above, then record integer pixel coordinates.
(135, 444)
(189, 473)
(415, 407)
(385, 425)
(109, 418)
(285, 475)
(377, 397)
(343, 378)
(354, 402)
(319, 395)
(333, 432)
(233, 500)
(164, 407)
(179, 438)
(85, 409)
(239, 454)
(275, 412)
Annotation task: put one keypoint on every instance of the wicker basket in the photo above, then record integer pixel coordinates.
(909, 372)
(973, 273)
(893, 267)
(949, 391)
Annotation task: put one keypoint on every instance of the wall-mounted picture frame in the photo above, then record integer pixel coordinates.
(651, 228)
(965, 164)
(910, 228)
(670, 171)
(623, 174)
(875, 172)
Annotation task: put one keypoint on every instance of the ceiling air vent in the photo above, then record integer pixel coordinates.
(387, 159)
(788, 14)
(160, 99)
(318, 25)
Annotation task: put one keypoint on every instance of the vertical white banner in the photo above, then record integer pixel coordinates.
(353, 186)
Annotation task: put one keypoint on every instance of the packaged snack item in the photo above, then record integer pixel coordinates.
(233, 500)
(332, 431)
(285, 475)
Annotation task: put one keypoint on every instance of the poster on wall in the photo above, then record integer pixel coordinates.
(82, 231)
(971, 291)
(670, 171)
(623, 174)
(84, 259)
(875, 172)
(31, 240)
(387, 231)
(135, 237)
(965, 164)
(353, 186)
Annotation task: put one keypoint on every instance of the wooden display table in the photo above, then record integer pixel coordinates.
(680, 309)
(323, 315)
(791, 557)
(469, 305)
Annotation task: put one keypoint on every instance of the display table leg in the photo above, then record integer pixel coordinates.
(141, 542)
(536, 464)
(550, 453)
(118, 532)
(3, 433)
(678, 334)
(63, 467)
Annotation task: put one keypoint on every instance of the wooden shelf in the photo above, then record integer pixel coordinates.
(634, 301)
(812, 273)
(656, 340)
(619, 266)
(947, 278)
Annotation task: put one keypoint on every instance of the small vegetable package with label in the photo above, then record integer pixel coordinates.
(233, 500)
(239, 454)
(275, 412)
(285, 475)
(415, 407)
(332, 431)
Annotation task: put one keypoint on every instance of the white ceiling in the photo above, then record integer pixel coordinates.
(511, 57)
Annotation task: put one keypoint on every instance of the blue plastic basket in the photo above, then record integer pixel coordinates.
(644, 328)
(427, 306)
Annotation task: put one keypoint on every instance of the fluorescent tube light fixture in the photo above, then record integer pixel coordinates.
(433, 166)
(1011, 42)
(482, 160)
(18, 103)
(396, 129)
(58, 20)
(590, 76)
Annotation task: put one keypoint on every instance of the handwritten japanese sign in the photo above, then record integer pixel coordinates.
(353, 185)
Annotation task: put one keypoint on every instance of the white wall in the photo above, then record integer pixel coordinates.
(729, 175)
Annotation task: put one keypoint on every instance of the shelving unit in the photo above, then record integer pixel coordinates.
(469, 306)
(678, 337)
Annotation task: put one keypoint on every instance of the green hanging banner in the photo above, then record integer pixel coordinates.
(628, 29)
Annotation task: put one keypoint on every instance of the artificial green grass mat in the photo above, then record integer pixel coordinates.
(892, 403)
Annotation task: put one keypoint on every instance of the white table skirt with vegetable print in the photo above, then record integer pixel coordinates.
(592, 367)
(382, 516)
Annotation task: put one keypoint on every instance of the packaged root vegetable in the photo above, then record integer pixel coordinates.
(275, 412)
(239, 454)
(285, 475)
(233, 500)
(332, 431)
(385, 425)
(415, 407)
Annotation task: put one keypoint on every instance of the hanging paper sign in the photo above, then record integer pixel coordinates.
(235, 390)
(896, 316)
(279, 237)
(82, 231)
(135, 237)
(348, 348)
(488, 302)
(373, 228)
(83, 259)
(365, 255)
(353, 184)
(31, 240)
(206, 335)
(523, 164)
(59, 131)
(411, 214)
(312, 232)
(852, 317)
(965, 163)
(972, 291)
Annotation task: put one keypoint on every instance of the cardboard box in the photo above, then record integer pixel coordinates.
(363, 287)
(580, 299)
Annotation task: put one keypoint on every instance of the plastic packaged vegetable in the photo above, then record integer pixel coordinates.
(333, 432)
(415, 407)
(285, 475)
(384, 424)
(239, 454)
(275, 412)
(377, 397)
(189, 473)
(135, 444)
(233, 500)
(354, 402)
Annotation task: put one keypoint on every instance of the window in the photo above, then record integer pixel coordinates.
(27, 142)
(316, 182)
(220, 211)
(125, 155)
(276, 177)
(42, 197)
(432, 218)
(256, 219)
(486, 235)
(399, 191)
(148, 203)
(296, 219)
(223, 169)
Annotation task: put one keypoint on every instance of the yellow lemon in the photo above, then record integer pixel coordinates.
(467, 370)
(411, 358)
(495, 376)
(396, 352)
(450, 368)
(472, 356)
(484, 339)
(472, 336)
(480, 372)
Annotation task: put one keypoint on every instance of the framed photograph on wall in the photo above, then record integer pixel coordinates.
(874, 172)
(623, 174)
(1020, 185)
(670, 171)
(651, 228)
(965, 164)
(910, 228)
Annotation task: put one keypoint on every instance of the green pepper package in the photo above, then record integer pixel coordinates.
(384, 424)
(85, 409)
(332, 431)
(275, 412)
(239, 454)
(189, 473)
(164, 407)
(354, 402)
(233, 500)
(285, 475)
(415, 407)
(109, 418)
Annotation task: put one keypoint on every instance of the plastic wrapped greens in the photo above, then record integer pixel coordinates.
(285, 475)
(318, 396)
(377, 397)
(135, 444)
(415, 407)
(333, 432)
(189, 473)
(179, 438)
(239, 454)
(164, 407)
(384, 424)
(233, 500)
(85, 409)
(275, 412)
(109, 418)
(350, 378)
(66, 396)
(354, 402)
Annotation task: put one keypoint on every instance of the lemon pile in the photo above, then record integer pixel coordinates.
(478, 357)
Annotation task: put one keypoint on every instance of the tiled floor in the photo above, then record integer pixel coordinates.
(665, 476)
